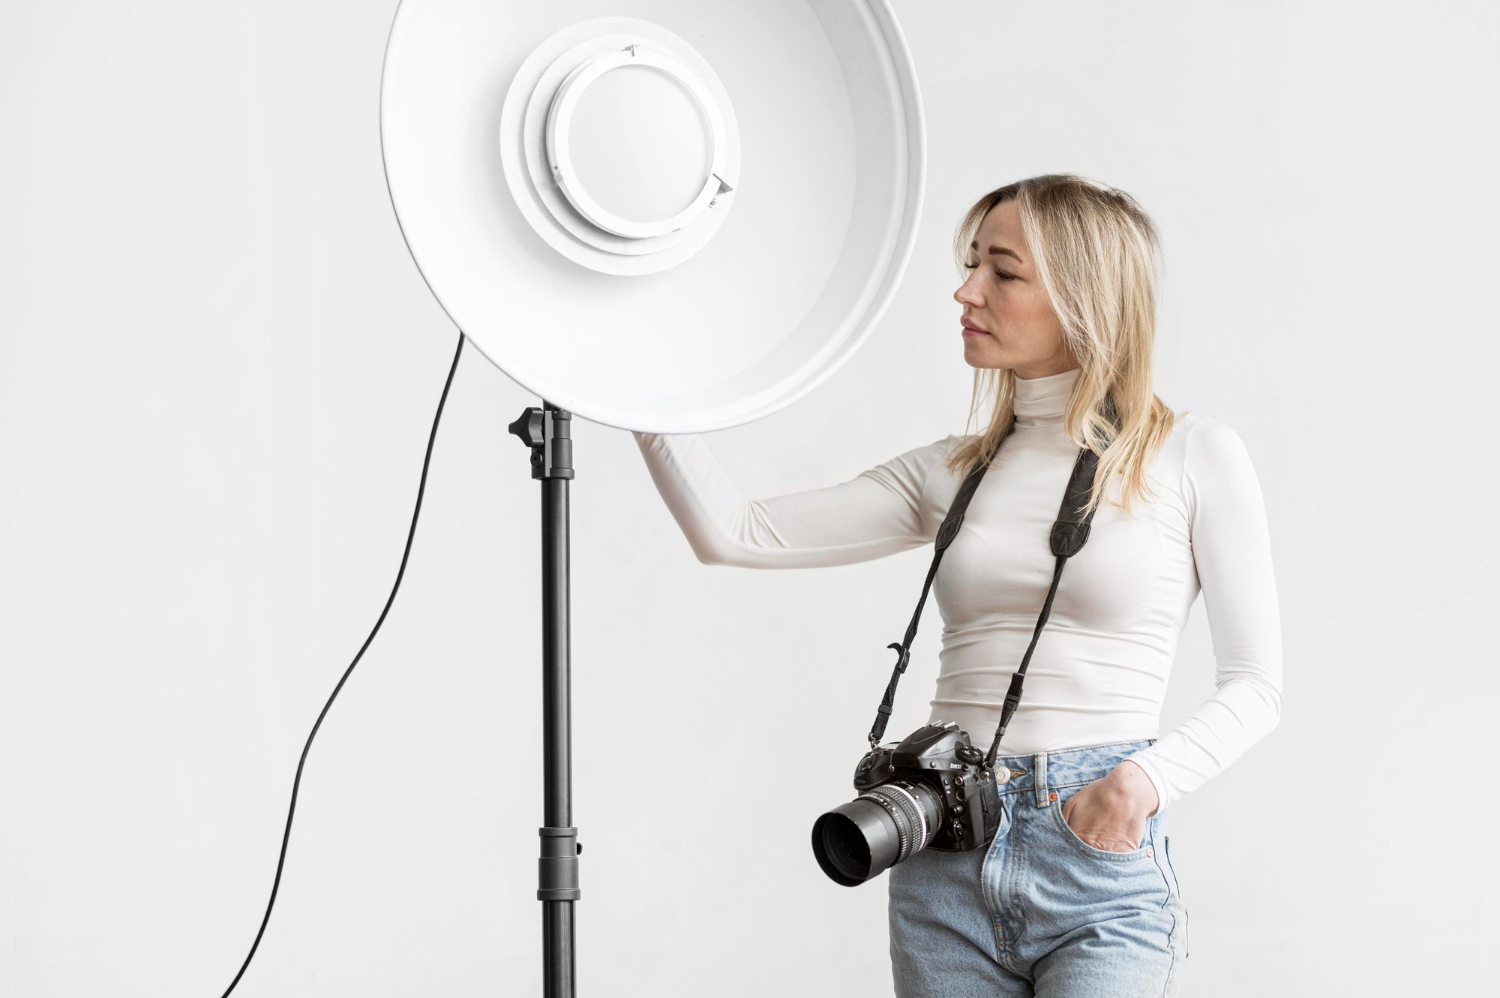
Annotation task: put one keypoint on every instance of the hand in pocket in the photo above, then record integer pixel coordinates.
(1111, 812)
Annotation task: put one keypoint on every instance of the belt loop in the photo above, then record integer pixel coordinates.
(1039, 778)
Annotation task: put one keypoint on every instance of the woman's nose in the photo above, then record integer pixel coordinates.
(967, 294)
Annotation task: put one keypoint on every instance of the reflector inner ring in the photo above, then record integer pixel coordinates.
(559, 120)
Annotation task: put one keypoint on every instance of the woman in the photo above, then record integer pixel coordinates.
(1075, 896)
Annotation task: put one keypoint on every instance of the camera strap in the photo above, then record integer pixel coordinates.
(1069, 534)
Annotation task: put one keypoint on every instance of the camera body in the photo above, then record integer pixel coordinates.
(930, 791)
(941, 756)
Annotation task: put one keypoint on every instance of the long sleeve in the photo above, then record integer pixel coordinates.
(1231, 549)
(877, 513)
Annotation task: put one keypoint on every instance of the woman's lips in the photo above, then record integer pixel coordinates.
(972, 330)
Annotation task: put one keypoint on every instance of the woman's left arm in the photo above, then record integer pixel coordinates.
(1232, 552)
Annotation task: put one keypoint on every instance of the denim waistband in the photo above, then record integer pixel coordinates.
(1043, 772)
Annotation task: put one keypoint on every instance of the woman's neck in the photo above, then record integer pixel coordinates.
(1043, 401)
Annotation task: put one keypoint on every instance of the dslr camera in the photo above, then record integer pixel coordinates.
(932, 790)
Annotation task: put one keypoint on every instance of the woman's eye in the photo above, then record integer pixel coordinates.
(999, 273)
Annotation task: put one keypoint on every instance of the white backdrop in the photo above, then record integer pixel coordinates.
(217, 371)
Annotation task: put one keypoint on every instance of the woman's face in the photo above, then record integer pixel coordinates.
(1007, 319)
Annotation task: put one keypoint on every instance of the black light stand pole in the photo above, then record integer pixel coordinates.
(547, 432)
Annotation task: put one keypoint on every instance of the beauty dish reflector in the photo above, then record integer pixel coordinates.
(671, 216)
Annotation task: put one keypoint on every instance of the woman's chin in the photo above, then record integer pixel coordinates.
(974, 356)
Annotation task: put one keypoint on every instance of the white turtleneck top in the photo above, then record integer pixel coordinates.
(1099, 672)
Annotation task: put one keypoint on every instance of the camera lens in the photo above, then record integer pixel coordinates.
(878, 829)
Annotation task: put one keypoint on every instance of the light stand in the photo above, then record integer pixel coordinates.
(546, 431)
(619, 143)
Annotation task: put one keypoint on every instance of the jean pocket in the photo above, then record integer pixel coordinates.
(1095, 851)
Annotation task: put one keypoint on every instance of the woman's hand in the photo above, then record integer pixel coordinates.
(1111, 812)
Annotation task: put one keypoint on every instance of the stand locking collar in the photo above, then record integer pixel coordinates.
(548, 432)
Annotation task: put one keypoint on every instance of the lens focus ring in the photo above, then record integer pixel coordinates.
(911, 822)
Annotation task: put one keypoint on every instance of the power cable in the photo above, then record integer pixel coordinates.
(405, 555)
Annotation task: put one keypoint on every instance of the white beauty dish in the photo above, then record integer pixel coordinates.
(676, 221)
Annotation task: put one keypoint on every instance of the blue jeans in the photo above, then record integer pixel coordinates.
(1040, 911)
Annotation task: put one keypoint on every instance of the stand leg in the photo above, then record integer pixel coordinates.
(547, 432)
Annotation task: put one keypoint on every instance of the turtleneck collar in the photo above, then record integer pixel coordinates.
(1044, 401)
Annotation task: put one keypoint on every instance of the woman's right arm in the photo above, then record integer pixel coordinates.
(877, 513)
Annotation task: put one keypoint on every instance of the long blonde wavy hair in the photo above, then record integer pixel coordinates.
(1096, 254)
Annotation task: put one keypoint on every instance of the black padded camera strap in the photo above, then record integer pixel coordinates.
(1069, 534)
(945, 535)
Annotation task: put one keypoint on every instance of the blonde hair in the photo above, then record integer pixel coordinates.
(1095, 252)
